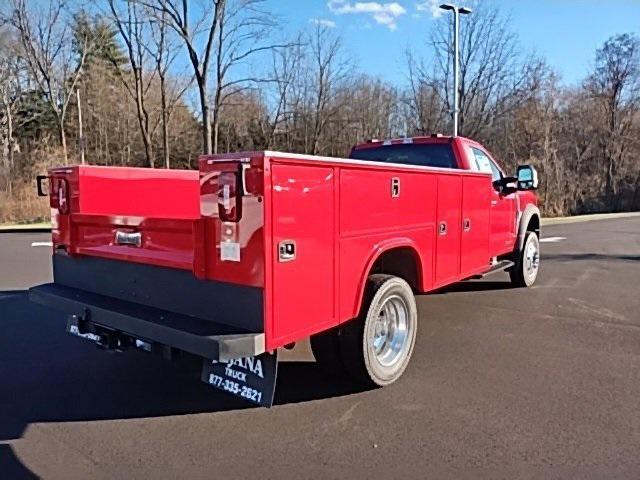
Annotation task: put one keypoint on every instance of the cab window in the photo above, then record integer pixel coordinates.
(424, 154)
(480, 162)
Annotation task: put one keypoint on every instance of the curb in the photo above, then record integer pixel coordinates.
(25, 229)
(588, 218)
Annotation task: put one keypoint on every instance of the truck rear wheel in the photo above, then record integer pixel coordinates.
(377, 346)
(525, 271)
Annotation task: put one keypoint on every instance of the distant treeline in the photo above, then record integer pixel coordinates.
(158, 84)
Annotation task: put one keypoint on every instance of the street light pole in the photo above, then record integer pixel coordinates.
(456, 59)
(80, 135)
(456, 67)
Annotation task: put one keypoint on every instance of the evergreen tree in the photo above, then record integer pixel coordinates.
(107, 50)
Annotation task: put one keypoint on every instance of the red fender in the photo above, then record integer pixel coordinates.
(383, 247)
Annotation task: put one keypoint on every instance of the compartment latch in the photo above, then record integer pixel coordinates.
(287, 250)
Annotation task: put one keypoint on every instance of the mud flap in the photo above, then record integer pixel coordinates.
(251, 378)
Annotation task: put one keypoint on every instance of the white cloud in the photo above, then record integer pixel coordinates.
(385, 14)
(323, 22)
(431, 6)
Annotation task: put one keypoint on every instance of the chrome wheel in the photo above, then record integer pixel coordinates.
(377, 346)
(527, 268)
(391, 331)
(531, 259)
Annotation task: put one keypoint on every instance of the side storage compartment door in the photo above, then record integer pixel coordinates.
(303, 250)
(474, 245)
(448, 223)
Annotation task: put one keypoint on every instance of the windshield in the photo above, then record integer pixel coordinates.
(425, 154)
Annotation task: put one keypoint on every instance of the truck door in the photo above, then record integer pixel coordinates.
(503, 207)
(448, 223)
(303, 250)
(474, 243)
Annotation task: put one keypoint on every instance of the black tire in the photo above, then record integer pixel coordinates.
(360, 357)
(525, 271)
(326, 350)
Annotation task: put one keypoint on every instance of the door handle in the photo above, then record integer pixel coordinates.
(442, 228)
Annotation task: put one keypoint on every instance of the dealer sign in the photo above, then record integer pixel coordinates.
(250, 378)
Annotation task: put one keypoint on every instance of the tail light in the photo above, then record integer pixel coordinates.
(59, 198)
(230, 196)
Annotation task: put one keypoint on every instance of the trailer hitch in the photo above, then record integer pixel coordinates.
(81, 326)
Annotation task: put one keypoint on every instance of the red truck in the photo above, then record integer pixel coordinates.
(258, 250)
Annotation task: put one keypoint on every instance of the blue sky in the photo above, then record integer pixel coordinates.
(565, 32)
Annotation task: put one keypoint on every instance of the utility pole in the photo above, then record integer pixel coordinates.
(80, 135)
(456, 59)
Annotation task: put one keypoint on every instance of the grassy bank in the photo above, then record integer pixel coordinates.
(23, 207)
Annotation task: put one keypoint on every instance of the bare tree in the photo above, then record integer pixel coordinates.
(531, 134)
(615, 86)
(55, 58)
(244, 32)
(131, 25)
(285, 63)
(493, 74)
(291, 74)
(164, 51)
(235, 31)
(329, 71)
(426, 109)
(372, 109)
(162, 60)
(10, 92)
(178, 16)
(285, 69)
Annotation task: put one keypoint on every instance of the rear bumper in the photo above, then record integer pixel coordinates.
(197, 336)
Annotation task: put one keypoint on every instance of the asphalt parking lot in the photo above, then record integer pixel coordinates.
(504, 383)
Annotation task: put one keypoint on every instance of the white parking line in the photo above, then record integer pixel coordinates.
(42, 244)
(552, 239)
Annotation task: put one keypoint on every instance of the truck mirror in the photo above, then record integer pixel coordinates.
(505, 185)
(527, 177)
(42, 185)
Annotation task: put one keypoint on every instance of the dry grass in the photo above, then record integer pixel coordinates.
(23, 206)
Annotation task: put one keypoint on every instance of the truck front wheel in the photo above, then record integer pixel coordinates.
(525, 271)
(377, 346)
